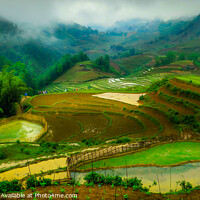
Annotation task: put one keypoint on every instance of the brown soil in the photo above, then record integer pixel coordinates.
(61, 128)
(121, 125)
(107, 193)
(116, 67)
(168, 128)
(70, 104)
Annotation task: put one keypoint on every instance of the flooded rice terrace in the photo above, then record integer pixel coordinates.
(19, 130)
(189, 172)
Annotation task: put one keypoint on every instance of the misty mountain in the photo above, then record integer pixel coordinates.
(191, 31)
(7, 27)
(40, 47)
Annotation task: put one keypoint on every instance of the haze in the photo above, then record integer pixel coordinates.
(95, 12)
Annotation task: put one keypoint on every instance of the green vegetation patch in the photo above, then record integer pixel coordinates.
(190, 78)
(167, 154)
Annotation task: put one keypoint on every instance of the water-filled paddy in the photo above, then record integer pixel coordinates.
(167, 154)
(189, 172)
(19, 130)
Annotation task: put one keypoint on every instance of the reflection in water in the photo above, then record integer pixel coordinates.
(189, 172)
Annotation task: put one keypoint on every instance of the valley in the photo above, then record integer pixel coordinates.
(103, 112)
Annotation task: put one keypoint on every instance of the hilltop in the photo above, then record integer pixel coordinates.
(83, 71)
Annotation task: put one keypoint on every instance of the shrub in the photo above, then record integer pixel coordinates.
(126, 196)
(123, 140)
(47, 145)
(32, 181)
(3, 154)
(185, 186)
(91, 141)
(45, 181)
(133, 182)
(10, 186)
(141, 98)
(27, 151)
(109, 180)
(117, 180)
(93, 177)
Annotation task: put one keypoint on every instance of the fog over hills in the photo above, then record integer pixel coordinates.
(94, 12)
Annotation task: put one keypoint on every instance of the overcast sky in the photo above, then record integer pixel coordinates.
(95, 12)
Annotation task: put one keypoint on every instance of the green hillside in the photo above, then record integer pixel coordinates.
(82, 71)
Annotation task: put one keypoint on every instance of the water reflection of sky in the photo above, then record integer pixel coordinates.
(189, 172)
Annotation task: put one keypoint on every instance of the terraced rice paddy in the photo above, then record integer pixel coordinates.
(178, 101)
(72, 117)
(105, 84)
(167, 154)
(19, 130)
(194, 78)
(75, 116)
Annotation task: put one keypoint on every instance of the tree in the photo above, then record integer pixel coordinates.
(4, 61)
(194, 57)
(171, 56)
(181, 56)
(20, 69)
(103, 63)
(11, 88)
(157, 61)
(132, 52)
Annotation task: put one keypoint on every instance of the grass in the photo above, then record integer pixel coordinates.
(24, 151)
(167, 154)
(82, 71)
(134, 64)
(183, 63)
(194, 78)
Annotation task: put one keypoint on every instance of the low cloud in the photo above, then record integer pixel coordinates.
(95, 12)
